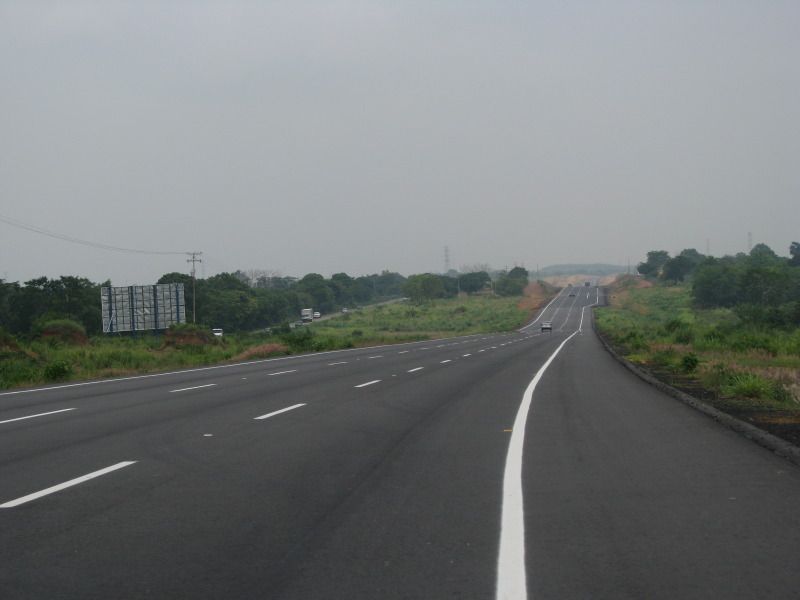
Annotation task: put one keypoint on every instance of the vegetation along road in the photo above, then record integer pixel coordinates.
(513, 465)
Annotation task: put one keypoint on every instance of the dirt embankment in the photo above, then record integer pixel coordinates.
(536, 295)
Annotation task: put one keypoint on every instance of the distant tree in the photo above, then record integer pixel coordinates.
(275, 282)
(342, 285)
(476, 268)
(518, 273)
(319, 290)
(509, 286)
(421, 288)
(716, 283)
(9, 307)
(655, 261)
(794, 252)
(231, 309)
(228, 281)
(766, 286)
(676, 269)
(275, 306)
(693, 256)
(762, 256)
(474, 282)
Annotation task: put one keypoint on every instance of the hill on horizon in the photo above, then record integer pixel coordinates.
(599, 269)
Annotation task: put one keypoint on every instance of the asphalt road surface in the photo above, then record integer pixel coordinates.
(460, 468)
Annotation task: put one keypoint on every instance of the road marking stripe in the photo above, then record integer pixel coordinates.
(368, 383)
(415, 369)
(379, 356)
(403, 352)
(66, 484)
(445, 361)
(281, 372)
(37, 415)
(197, 387)
(343, 362)
(511, 581)
(277, 412)
(466, 355)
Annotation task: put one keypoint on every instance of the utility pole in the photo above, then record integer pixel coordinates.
(194, 259)
(446, 260)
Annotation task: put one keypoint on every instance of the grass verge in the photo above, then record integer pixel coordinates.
(51, 360)
(752, 373)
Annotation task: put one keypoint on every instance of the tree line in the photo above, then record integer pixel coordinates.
(242, 301)
(761, 286)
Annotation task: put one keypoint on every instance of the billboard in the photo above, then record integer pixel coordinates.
(142, 307)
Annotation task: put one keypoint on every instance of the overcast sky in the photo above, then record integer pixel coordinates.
(359, 136)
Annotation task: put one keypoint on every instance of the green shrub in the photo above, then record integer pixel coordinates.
(748, 385)
(689, 362)
(18, 371)
(65, 331)
(58, 370)
(299, 340)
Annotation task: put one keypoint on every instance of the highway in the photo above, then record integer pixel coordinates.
(518, 465)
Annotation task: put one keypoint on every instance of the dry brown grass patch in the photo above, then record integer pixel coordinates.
(262, 351)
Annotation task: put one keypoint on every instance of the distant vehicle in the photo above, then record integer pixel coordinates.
(571, 294)
(217, 331)
(317, 315)
(547, 326)
(344, 310)
(306, 315)
(587, 283)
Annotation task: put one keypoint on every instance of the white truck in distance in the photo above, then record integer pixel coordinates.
(306, 315)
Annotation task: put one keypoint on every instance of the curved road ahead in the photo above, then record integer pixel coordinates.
(409, 471)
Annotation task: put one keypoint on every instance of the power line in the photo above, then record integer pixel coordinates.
(74, 240)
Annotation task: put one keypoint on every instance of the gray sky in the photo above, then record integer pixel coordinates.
(360, 136)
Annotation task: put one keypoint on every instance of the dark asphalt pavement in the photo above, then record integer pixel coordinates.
(393, 489)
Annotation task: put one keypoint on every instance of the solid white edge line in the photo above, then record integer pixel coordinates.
(277, 412)
(52, 412)
(511, 579)
(66, 484)
(197, 387)
(281, 372)
(368, 383)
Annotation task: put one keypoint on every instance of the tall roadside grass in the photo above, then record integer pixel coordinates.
(409, 322)
(745, 367)
(55, 359)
